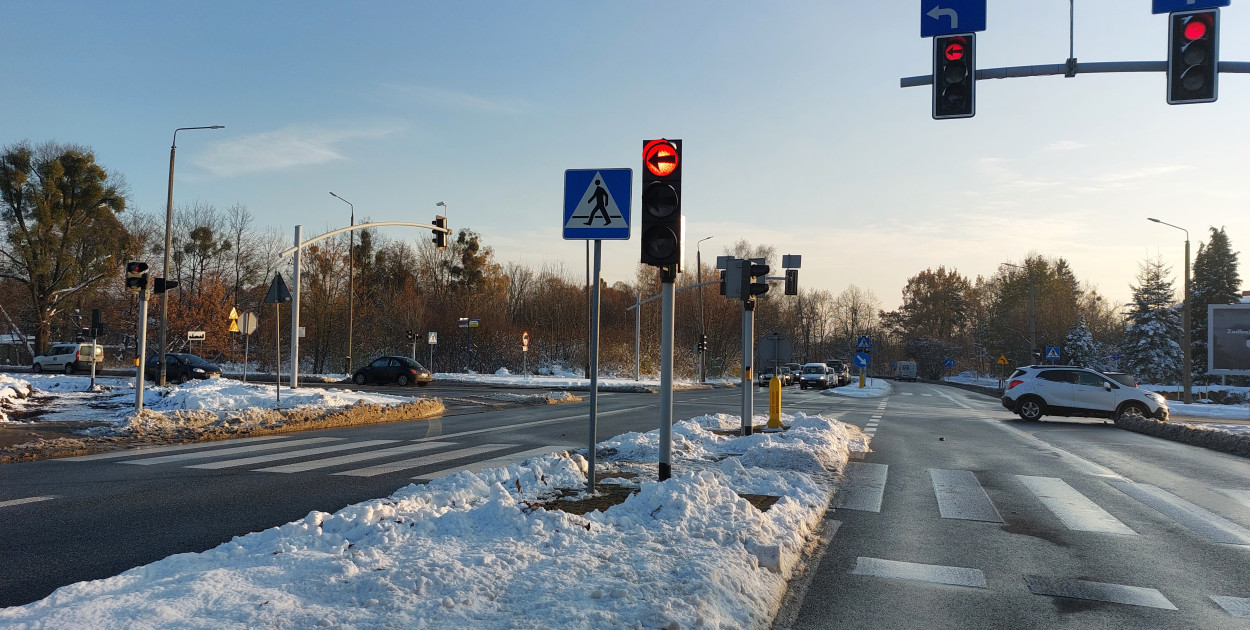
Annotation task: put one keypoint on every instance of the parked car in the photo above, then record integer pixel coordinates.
(67, 357)
(1039, 390)
(906, 371)
(841, 370)
(399, 370)
(180, 367)
(795, 370)
(787, 376)
(816, 375)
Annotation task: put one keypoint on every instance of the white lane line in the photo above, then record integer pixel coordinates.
(308, 452)
(182, 457)
(498, 462)
(166, 449)
(354, 457)
(1240, 495)
(12, 502)
(937, 574)
(1196, 519)
(926, 394)
(1073, 508)
(417, 462)
(1098, 591)
(862, 488)
(960, 496)
(1238, 607)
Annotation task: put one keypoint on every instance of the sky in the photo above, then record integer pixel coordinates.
(795, 131)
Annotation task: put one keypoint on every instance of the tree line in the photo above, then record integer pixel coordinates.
(67, 233)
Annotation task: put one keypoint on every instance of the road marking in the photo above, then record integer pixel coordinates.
(498, 462)
(1238, 607)
(1098, 591)
(12, 502)
(909, 393)
(181, 457)
(1240, 495)
(862, 488)
(166, 449)
(937, 574)
(1073, 508)
(355, 457)
(960, 496)
(1196, 519)
(926, 394)
(427, 460)
(308, 452)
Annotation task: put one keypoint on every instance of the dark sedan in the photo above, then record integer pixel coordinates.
(399, 370)
(180, 368)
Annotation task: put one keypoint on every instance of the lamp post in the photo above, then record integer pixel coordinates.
(1187, 375)
(446, 215)
(698, 261)
(1032, 309)
(169, 221)
(351, 280)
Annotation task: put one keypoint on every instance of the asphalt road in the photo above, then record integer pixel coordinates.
(963, 516)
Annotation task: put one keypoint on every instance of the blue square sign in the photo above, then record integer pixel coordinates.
(596, 203)
(1172, 6)
(947, 17)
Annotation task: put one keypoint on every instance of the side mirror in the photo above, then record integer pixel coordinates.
(1106, 385)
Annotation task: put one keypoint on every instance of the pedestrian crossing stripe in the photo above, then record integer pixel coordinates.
(596, 203)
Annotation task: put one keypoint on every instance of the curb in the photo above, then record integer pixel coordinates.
(1223, 441)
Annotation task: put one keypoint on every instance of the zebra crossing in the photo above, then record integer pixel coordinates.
(281, 454)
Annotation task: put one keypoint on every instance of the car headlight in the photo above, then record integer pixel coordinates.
(198, 370)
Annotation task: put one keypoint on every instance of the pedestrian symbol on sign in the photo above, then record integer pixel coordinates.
(602, 207)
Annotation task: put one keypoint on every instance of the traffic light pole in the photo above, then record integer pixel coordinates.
(299, 231)
(667, 276)
(594, 369)
(143, 347)
(1014, 72)
(748, 357)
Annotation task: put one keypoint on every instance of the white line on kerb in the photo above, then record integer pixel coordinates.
(12, 502)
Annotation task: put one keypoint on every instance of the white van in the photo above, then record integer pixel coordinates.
(68, 357)
(906, 371)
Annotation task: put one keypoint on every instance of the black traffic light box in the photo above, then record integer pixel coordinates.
(954, 76)
(752, 270)
(1193, 56)
(792, 282)
(136, 276)
(161, 285)
(440, 235)
(661, 204)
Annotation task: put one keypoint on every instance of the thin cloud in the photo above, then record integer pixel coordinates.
(287, 148)
(1064, 145)
(455, 100)
(1149, 172)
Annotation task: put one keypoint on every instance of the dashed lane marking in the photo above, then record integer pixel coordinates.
(960, 496)
(1098, 591)
(12, 502)
(497, 462)
(1073, 508)
(132, 452)
(1238, 607)
(937, 574)
(342, 460)
(862, 488)
(308, 452)
(427, 460)
(1196, 519)
(182, 457)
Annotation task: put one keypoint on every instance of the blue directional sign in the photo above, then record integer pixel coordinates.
(864, 343)
(1170, 6)
(1052, 353)
(947, 17)
(861, 359)
(1115, 356)
(596, 203)
(949, 363)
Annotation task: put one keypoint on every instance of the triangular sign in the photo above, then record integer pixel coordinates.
(277, 291)
(597, 208)
(234, 313)
(234, 326)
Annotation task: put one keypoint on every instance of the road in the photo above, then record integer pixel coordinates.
(963, 516)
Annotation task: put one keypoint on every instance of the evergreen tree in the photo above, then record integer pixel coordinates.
(1215, 281)
(1079, 346)
(1152, 352)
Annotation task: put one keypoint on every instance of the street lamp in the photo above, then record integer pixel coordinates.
(169, 221)
(698, 261)
(1186, 376)
(351, 280)
(1032, 309)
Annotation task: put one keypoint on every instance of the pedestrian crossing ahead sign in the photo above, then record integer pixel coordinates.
(596, 203)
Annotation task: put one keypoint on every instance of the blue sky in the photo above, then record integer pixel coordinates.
(796, 132)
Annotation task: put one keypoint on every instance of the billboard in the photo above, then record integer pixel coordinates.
(1228, 339)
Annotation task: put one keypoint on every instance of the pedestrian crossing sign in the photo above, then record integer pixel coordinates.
(1052, 353)
(596, 203)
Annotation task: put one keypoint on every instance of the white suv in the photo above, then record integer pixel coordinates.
(1064, 390)
(67, 357)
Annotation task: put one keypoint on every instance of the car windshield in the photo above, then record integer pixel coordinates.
(813, 369)
(413, 364)
(192, 359)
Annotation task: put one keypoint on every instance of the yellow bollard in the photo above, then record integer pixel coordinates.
(861, 380)
(774, 403)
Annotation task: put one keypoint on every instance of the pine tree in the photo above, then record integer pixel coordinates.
(1152, 352)
(1079, 347)
(1215, 281)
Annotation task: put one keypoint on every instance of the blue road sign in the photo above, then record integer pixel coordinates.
(861, 359)
(596, 203)
(864, 343)
(1115, 356)
(1052, 353)
(1170, 6)
(949, 363)
(947, 17)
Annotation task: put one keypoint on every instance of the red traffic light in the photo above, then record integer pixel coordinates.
(955, 49)
(660, 157)
(1197, 27)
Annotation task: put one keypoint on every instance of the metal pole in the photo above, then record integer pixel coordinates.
(277, 343)
(748, 337)
(351, 280)
(431, 358)
(637, 334)
(587, 307)
(93, 347)
(1187, 377)
(698, 258)
(247, 337)
(143, 345)
(594, 369)
(295, 310)
(666, 374)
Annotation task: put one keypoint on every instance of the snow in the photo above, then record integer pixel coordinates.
(873, 388)
(563, 379)
(473, 550)
(12, 391)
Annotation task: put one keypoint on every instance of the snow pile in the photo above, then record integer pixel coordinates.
(873, 388)
(475, 550)
(503, 371)
(224, 395)
(11, 390)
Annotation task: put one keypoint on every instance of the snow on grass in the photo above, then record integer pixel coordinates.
(475, 550)
(873, 388)
(12, 392)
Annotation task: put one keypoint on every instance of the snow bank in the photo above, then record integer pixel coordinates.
(11, 390)
(873, 388)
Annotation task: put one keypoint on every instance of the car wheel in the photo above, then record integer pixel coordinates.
(37, 368)
(402, 381)
(1031, 409)
(359, 378)
(1131, 410)
(183, 378)
(69, 368)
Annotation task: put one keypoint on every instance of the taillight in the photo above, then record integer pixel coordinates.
(1014, 383)
(412, 371)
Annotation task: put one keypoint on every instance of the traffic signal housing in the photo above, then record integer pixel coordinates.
(161, 285)
(440, 232)
(136, 276)
(1193, 56)
(753, 279)
(954, 76)
(792, 282)
(661, 204)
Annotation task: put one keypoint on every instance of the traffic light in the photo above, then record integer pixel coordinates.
(410, 336)
(792, 282)
(1193, 56)
(440, 234)
(161, 285)
(954, 76)
(661, 203)
(731, 279)
(136, 276)
(753, 271)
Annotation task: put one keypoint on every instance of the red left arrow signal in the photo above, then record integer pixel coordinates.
(660, 157)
